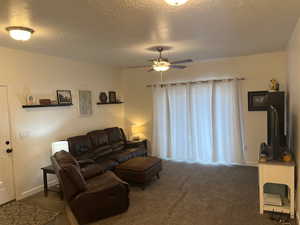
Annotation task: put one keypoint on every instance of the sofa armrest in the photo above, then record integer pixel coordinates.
(91, 170)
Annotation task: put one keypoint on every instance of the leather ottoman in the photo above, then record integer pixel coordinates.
(139, 170)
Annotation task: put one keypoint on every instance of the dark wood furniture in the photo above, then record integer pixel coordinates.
(49, 170)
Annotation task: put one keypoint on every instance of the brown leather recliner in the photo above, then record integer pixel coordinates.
(90, 192)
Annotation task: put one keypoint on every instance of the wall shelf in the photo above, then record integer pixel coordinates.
(109, 103)
(52, 105)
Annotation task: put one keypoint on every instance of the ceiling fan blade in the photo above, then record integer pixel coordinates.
(150, 70)
(137, 67)
(178, 67)
(182, 61)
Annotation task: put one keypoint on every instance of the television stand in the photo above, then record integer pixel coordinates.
(278, 173)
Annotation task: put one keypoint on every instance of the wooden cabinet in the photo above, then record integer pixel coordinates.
(278, 173)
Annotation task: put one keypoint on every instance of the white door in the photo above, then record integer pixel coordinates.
(7, 192)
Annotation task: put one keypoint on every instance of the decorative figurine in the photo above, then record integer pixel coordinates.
(103, 97)
(274, 85)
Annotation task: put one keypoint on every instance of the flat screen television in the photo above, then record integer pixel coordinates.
(274, 133)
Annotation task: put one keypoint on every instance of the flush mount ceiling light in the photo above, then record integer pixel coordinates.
(176, 2)
(161, 66)
(20, 33)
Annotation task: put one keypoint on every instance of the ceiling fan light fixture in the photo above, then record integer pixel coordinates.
(176, 2)
(161, 66)
(20, 33)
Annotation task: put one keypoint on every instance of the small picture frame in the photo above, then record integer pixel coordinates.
(30, 100)
(64, 97)
(112, 95)
(258, 100)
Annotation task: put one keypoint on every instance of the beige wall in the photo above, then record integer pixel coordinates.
(33, 130)
(257, 69)
(294, 96)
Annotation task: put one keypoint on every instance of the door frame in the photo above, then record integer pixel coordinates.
(12, 142)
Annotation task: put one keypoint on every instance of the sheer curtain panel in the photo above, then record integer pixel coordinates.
(200, 122)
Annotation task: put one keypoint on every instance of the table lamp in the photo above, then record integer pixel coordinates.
(59, 146)
(137, 132)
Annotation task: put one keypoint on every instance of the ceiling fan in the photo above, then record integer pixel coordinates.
(161, 64)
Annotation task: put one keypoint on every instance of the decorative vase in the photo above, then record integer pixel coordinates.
(103, 97)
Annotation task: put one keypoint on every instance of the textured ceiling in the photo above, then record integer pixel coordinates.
(120, 32)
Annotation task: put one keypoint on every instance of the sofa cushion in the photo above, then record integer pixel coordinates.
(118, 146)
(107, 164)
(79, 145)
(91, 171)
(102, 151)
(98, 138)
(115, 134)
(85, 156)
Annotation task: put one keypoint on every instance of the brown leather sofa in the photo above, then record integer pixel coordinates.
(90, 192)
(108, 148)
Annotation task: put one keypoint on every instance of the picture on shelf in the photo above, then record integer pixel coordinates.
(30, 100)
(112, 96)
(103, 97)
(64, 97)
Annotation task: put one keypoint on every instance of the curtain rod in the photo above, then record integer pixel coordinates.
(195, 82)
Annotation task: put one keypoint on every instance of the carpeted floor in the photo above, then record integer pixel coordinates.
(187, 194)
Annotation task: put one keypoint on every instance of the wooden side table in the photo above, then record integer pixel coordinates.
(139, 142)
(278, 173)
(49, 170)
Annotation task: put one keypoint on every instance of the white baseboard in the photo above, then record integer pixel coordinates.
(35, 190)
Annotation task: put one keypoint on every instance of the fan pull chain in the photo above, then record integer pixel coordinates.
(161, 76)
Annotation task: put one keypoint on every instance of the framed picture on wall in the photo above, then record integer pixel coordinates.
(64, 97)
(85, 103)
(257, 101)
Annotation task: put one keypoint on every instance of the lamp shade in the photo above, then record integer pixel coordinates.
(137, 131)
(59, 146)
